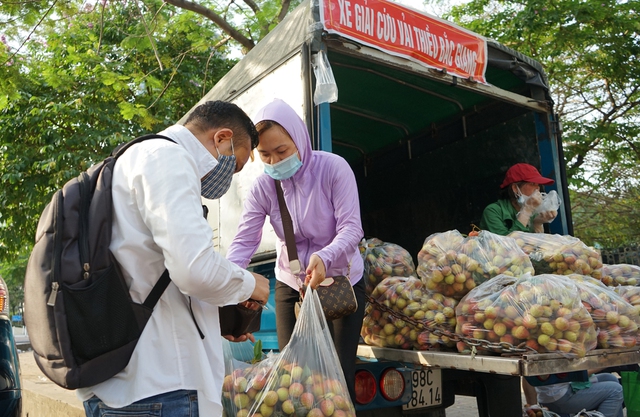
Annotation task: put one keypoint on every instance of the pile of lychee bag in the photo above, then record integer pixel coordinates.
(501, 299)
(383, 260)
(304, 379)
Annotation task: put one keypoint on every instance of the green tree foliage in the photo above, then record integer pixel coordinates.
(78, 79)
(589, 50)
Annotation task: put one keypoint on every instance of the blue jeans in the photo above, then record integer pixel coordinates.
(604, 396)
(180, 403)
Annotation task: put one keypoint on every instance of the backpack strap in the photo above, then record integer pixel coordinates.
(165, 279)
(120, 149)
(157, 290)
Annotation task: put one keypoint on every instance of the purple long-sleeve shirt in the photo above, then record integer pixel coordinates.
(322, 198)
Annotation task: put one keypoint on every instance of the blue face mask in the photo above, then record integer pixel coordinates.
(284, 169)
(217, 181)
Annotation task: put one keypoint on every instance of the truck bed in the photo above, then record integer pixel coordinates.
(524, 365)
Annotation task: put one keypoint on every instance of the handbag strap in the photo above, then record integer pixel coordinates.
(287, 225)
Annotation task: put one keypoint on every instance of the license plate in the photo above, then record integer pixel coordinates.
(427, 389)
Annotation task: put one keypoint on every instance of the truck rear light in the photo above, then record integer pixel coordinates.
(366, 387)
(392, 384)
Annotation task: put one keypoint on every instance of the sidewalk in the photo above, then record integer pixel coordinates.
(43, 398)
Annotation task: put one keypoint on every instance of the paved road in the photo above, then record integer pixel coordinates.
(40, 388)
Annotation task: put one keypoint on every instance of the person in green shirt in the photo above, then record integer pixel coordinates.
(514, 211)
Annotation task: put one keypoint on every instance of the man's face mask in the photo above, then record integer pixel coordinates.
(217, 181)
(284, 169)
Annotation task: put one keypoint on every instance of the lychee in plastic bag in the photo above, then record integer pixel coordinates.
(620, 274)
(617, 321)
(244, 380)
(558, 254)
(306, 379)
(542, 312)
(409, 301)
(383, 260)
(452, 264)
(630, 294)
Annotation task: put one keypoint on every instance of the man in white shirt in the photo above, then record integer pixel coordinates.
(177, 367)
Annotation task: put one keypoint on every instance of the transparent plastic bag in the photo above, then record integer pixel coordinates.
(543, 312)
(326, 87)
(452, 264)
(306, 379)
(620, 274)
(630, 294)
(558, 254)
(407, 297)
(383, 260)
(550, 202)
(617, 320)
(244, 381)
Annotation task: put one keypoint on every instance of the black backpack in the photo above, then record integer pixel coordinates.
(83, 325)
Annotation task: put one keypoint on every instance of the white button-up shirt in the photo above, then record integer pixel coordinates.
(158, 224)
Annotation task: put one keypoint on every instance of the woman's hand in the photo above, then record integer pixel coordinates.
(315, 272)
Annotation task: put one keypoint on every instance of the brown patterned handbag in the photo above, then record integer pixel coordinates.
(336, 293)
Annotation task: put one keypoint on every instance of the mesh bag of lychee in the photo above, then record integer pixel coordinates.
(306, 378)
(244, 378)
(401, 314)
(558, 254)
(542, 313)
(383, 260)
(620, 274)
(452, 264)
(616, 319)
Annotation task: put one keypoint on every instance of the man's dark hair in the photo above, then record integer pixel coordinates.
(218, 114)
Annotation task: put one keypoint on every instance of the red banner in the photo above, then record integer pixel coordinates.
(404, 32)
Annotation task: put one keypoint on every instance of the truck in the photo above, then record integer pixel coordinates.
(429, 116)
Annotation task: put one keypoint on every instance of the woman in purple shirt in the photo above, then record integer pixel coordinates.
(321, 194)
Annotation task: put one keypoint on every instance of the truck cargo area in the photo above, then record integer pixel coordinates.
(429, 154)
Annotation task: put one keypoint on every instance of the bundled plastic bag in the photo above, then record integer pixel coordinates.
(550, 203)
(558, 254)
(620, 274)
(543, 312)
(617, 321)
(383, 260)
(326, 87)
(306, 378)
(407, 297)
(453, 265)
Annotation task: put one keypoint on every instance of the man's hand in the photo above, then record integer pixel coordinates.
(241, 338)
(315, 271)
(261, 290)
